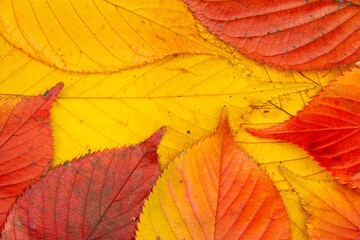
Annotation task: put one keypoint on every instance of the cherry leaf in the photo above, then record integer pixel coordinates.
(98, 196)
(334, 208)
(328, 129)
(25, 144)
(214, 191)
(290, 34)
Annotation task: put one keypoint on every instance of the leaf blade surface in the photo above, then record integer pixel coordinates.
(328, 129)
(96, 196)
(101, 36)
(333, 208)
(291, 34)
(214, 191)
(25, 144)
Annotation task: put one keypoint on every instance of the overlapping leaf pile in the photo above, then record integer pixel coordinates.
(130, 67)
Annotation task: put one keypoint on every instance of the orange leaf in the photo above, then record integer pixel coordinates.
(291, 34)
(328, 128)
(25, 144)
(334, 208)
(214, 191)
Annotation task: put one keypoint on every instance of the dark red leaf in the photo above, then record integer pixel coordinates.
(25, 144)
(329, 129)
(290, 34)
(98, 196)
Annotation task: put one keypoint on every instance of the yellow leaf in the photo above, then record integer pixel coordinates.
(101, 36)
(184, 93)
(333, 208)
(214, 191)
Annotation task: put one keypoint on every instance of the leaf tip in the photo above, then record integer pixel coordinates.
(224, 119)
(54, 90)
(156, 137)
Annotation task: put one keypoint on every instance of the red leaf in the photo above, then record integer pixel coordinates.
(25, 144)
(328, 128)
(97, 196)
(290, 34)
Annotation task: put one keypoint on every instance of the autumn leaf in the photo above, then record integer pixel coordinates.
(333, 208)
(185, 92)
(96, 196)
(290, 34)
(328, 128)
(25, 144)
(100, 36)
(214, 191)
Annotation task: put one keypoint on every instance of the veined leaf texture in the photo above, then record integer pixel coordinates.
(25, 144)
(333, 208)
(328, 128)
(214, 191)
(98, 196)
(131, 67)
(290, 34)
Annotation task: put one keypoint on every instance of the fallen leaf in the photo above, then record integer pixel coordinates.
(290, 34)
(333, 208)
(97, 196)
(214, 191)
(101, 36)
(185, 93)
(25, 144)
(328, 129)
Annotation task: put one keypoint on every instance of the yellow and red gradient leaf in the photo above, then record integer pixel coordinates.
(334, 208)
(289, 34)
(214, 191)
(328, 129)
(96, 196)
(25, 144)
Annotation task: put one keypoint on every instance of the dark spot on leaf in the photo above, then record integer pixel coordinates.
(266, 111)
(188, 132)
(66, 163)
(46, 93)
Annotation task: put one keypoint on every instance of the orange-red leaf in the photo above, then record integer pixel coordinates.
(214, 191)
(25, 144)
(334, 208)
(291, 34)
(97, 196)
(328, 128)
